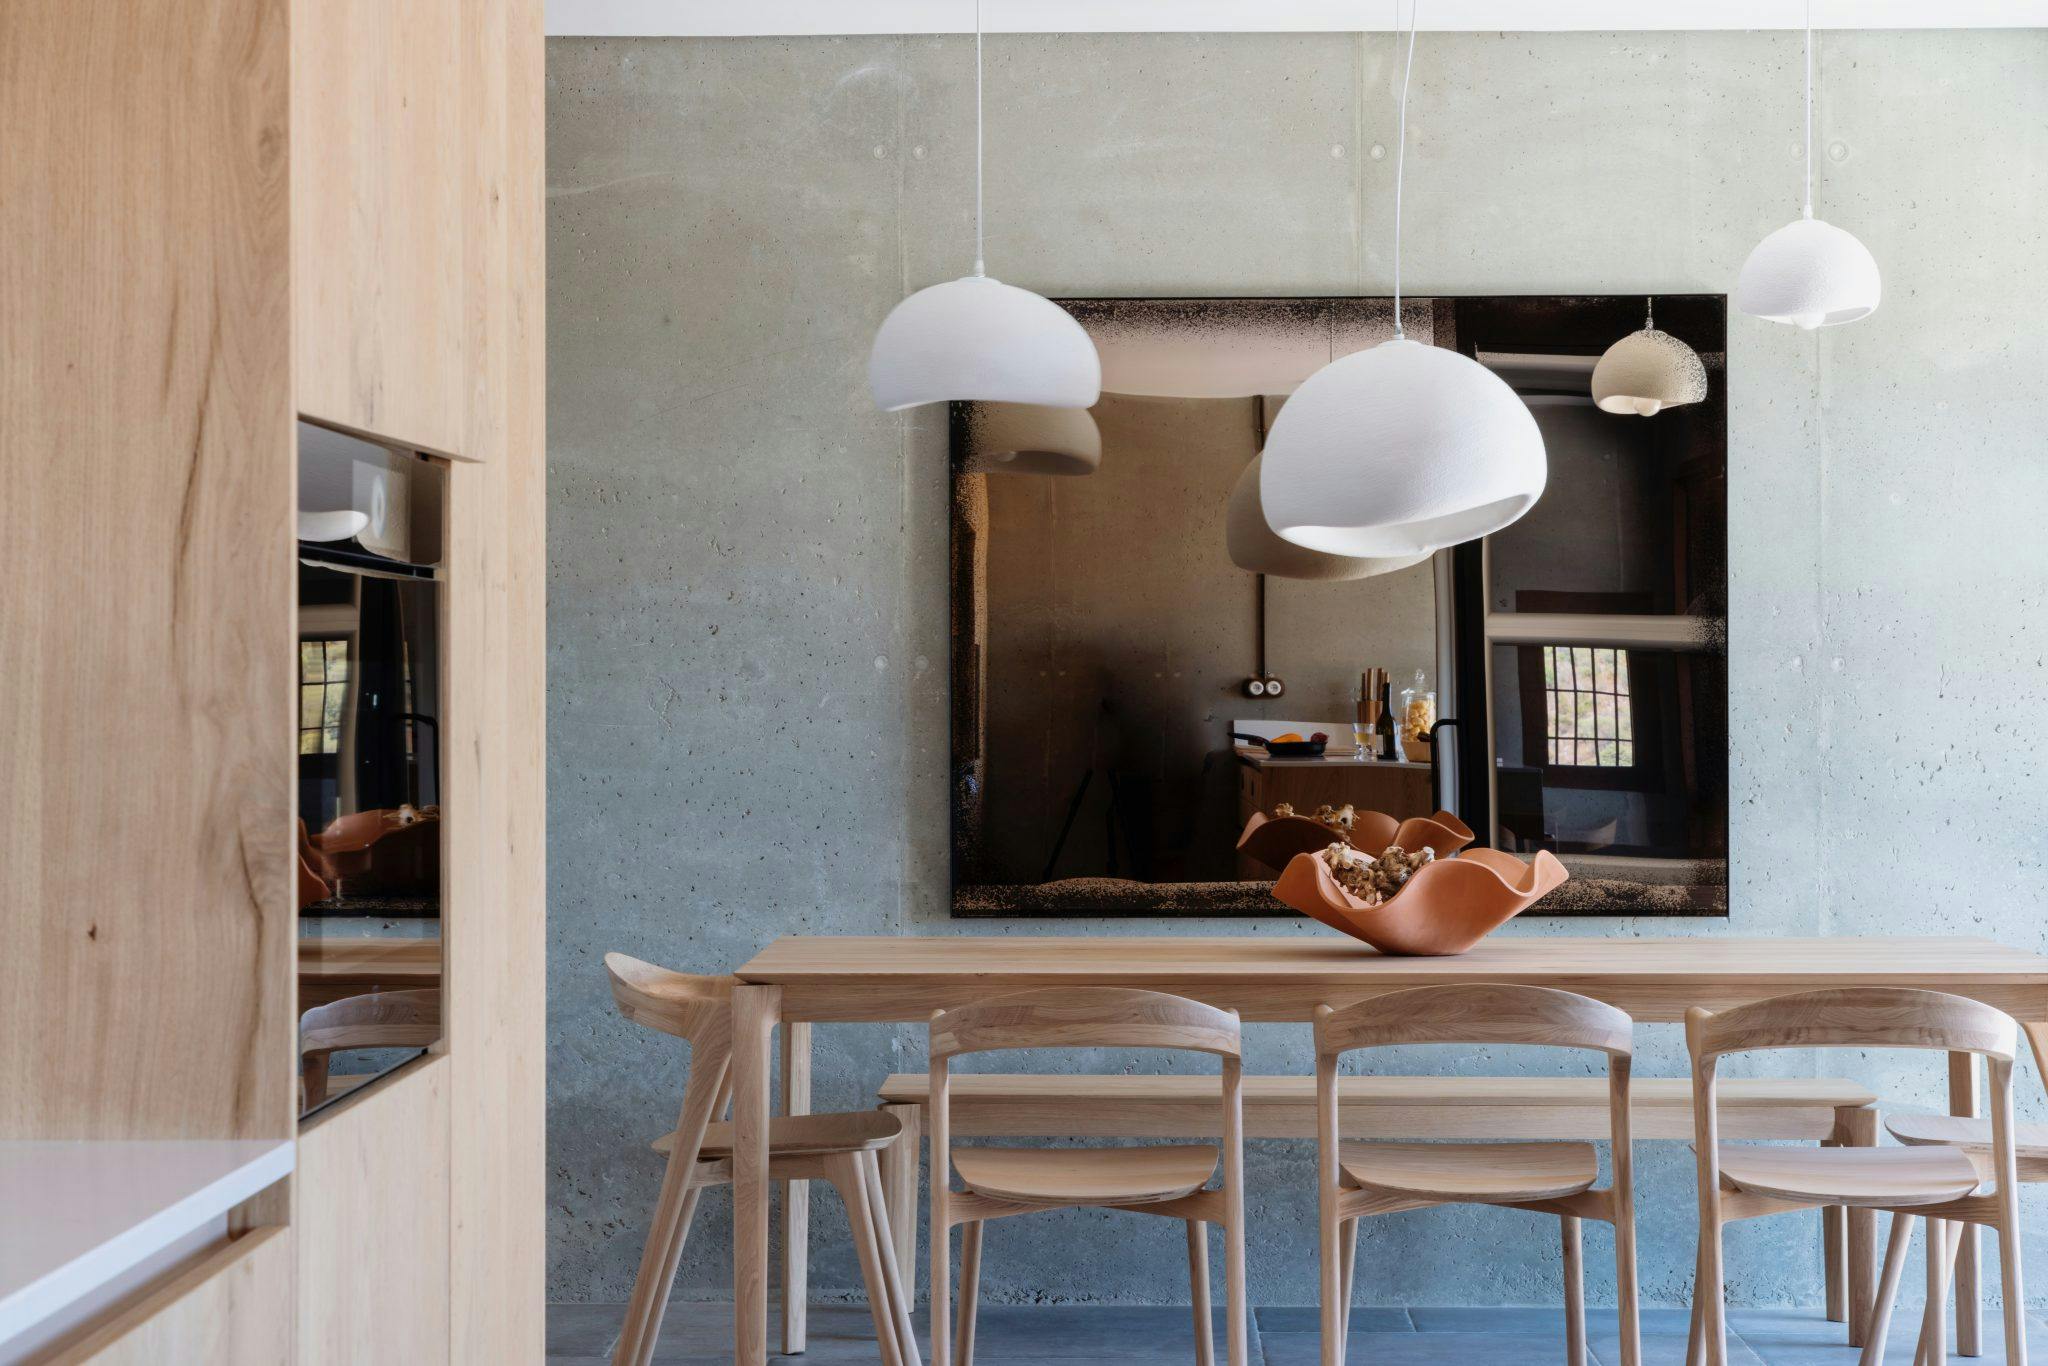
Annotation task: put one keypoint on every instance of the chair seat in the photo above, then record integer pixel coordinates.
(804, 1135)
(1488, 1172)
(1879, 1178)
(2028, 1140)
(1085, 1176)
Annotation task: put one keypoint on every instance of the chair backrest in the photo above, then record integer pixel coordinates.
(378, 1019)
(1085, 1017)
(684, 1004)
(1854, 1017)
(1479, 1013)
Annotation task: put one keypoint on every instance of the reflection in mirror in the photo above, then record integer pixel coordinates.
(370, 829)
(1140, 665)
(1604, 671)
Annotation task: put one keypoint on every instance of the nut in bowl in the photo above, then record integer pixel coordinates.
(1436, 907)
(1274, 839)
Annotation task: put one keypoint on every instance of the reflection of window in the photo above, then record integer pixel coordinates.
(1586, 706)
(323, 684)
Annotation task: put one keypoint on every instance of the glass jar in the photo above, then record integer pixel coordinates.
(1417, 713)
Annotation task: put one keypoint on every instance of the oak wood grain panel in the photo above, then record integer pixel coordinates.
(497, 951)
(372, 1224)
(231, 1306)
(380, 138)
(146, 616)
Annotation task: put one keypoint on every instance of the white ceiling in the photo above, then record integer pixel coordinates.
(791, 18)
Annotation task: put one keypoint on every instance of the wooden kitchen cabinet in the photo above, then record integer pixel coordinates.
(379, 169)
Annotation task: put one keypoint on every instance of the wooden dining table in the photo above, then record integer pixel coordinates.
(802, 980)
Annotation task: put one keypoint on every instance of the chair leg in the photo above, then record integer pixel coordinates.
(1574, 1290)
(844, 1171)
(1933, 1348)
(1933, 1345)
(899, 1166)
(1887, 1288)
(1834, 1245)
(1707, 1293)
(2009, 1266)
(674, 1208)
(892, 1275)
(1350, 1274)
(1198, 1292)
(970, 1292)
(1627, 1291)
(1860, 1130)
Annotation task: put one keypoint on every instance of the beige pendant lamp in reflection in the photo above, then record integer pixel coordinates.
(1029, 438)
(975, 338)
(1403, 449)
(1254, 547)
(1648, 371)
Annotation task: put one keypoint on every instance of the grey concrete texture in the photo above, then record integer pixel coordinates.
(748, 615)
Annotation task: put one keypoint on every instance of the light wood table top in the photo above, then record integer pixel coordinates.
(1655, 979)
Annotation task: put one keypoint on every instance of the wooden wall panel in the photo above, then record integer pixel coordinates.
(146, 612)
(372, 1226)
(379, 134)
(497, 953)
(230, 1307)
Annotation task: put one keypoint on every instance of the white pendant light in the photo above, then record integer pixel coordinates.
(1028, 438)
(1648, 371)
(979, 339)
(1809, 273)
(1403, 449)
(1254, 547)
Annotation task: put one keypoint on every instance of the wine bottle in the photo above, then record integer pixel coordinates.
(1385, 747)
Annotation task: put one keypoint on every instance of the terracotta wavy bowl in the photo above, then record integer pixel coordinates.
(1273, 840)
(1445, 908)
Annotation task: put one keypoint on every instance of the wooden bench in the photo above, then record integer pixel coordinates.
(1053, 1106)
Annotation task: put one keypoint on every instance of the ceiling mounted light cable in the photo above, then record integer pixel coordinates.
(1648, 371)
(1809, 273)
(978, 338)
(1405, 448)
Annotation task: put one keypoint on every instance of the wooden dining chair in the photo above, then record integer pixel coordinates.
(1942, 1183)
(836, 1148)
(1945, 1236)
(1168, 1181)
(1355, 1180)
(377, 1019)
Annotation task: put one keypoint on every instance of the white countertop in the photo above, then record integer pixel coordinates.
(78, 1216)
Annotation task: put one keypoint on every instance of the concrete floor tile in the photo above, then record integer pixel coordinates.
(1421, 1349)
(1307, 1318)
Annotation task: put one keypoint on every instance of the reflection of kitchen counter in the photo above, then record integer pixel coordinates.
(1258, 758)
(1397, 787)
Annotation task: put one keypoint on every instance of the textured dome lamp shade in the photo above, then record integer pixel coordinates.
(1403, 449)
(1648, 371)
(978, 338)
(1027, 438)
(1809, 273)
(1254, 547)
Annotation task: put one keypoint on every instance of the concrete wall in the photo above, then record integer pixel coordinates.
(747, 720)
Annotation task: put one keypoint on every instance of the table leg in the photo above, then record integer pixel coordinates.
(754, 1013)
(796, 1195)
(1963, 1100)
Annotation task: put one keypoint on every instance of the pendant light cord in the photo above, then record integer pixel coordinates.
(1809, 107)
(1401, 158)
(980, 267)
